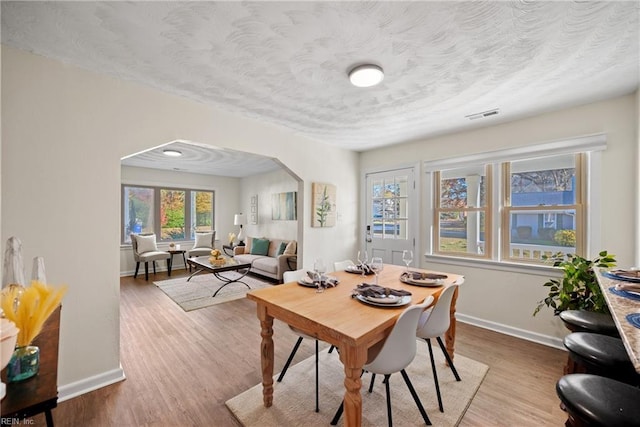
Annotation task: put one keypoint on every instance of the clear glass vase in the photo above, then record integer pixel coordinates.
(24, 363)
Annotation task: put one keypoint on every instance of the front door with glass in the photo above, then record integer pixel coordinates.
(390, 222)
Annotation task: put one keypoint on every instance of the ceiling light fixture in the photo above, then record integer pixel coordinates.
(172, 153)
(366, 75)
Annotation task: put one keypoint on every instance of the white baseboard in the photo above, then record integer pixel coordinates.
(69, 391)
(158, 270)
(514, 332)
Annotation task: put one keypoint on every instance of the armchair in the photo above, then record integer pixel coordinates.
(145, 250)
(203, 245)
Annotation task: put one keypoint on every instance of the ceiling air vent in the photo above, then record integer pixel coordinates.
(483, 114)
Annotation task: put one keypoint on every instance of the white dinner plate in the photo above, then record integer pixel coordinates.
(389, 299)
(429, 283)
(306, 282)
(404, 300)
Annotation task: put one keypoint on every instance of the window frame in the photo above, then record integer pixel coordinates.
(487, 209)
(125, 239)
(588, 148)
(578, 206)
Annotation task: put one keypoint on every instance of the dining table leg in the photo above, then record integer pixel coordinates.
(266, 354)
(353, 359)
(450, 334)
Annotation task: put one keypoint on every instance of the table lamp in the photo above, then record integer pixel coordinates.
(238, 219)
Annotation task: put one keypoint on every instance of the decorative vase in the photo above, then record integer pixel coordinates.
(24, 363)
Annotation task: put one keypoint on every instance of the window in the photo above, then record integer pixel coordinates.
(181, 212)
(462, 210)
(201, 211)
(514, 205)
(389, 203)
(542, 210)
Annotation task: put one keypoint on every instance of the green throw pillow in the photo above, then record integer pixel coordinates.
(259, 247)
(281, 248)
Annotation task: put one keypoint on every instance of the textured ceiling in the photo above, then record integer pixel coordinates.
(286, 63)
(202, 159)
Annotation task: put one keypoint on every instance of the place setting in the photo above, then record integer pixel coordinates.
(362, 267)
(317, 278)
(631, 286)
(418, 278)
(380, 296)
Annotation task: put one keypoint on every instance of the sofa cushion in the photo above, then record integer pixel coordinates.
(268, 264)
(203, 240)
(260, 247)
(146, 243)
(291, 248)
(281, 248)
(247, 245)
(247, 258)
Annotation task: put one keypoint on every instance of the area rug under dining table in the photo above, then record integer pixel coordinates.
(294, 397)
(197, 292)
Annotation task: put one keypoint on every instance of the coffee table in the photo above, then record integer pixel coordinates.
(201, 264)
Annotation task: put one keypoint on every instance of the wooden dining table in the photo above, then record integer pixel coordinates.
(337, 318)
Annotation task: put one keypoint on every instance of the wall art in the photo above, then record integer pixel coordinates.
(284, 206)
(323, 209)
(253, 216)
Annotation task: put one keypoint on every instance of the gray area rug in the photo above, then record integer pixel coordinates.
(197, 293)
(294, 397)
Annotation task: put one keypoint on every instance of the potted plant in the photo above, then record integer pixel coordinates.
(578, 288)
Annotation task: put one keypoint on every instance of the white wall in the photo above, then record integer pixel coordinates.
(63, 135)
(506, 299)
(264, 186)
(226, 204)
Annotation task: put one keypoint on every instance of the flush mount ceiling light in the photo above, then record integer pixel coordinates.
(172, 153)
(366, 75)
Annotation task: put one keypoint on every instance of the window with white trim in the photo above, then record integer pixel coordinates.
(170, 213)
(513, 205)
(463, 211)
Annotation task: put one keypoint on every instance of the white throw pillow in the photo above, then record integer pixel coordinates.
(203, 240)
(291, 248)
(146, 243)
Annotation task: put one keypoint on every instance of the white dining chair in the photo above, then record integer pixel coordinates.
(294, 276)
(342, 265)
(397, 352)
(432, 324)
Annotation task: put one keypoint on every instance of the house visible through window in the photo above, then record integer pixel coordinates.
(180, 212)
(462, 210)
(543, 207)
(518, 207)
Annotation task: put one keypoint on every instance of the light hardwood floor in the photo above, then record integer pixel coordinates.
(182, 367)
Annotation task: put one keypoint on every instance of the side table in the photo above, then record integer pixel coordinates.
(174, 252)
(37, 394)
(228, 250)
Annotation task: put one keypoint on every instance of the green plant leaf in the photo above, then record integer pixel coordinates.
(578, 288)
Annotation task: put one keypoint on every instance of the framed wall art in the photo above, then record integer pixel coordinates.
(323, 208)
(253, 215)
(284, 206)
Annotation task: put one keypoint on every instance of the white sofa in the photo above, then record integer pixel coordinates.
(272, 264)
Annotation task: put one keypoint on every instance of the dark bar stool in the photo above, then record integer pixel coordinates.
(601, 355)
(591, 400)
(588, 321)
